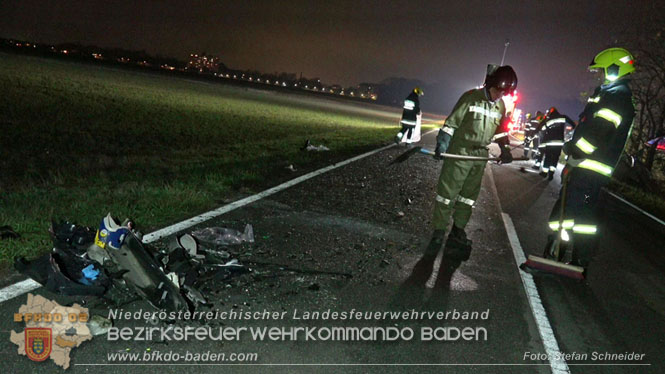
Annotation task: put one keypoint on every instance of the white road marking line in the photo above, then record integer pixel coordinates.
(18, 288)
(156, 235)
(28, 285)
(557, 363)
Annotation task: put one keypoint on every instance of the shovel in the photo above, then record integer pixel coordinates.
(406, 155)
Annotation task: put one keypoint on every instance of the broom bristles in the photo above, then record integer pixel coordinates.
(554, 267)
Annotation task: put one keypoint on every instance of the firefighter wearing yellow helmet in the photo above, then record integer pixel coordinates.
(593, 153)
(410, 116)
(478, 118)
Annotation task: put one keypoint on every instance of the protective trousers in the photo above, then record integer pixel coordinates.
(580, 213)
(526, 145)
(458, 189)
(540, 156)
(551, 159)
(406, 131)
(535, 146)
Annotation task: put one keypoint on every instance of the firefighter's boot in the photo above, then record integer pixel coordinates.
(458, 246)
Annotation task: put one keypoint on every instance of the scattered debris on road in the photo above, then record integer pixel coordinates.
(311, 147)
(113, 263)
(224, 236)
(99, 325)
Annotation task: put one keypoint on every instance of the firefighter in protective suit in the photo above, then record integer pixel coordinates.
(593, 153)
(531, 134)
(478, 118)
(539, 146)
(410, 115)
(527, 130)
(554, 131)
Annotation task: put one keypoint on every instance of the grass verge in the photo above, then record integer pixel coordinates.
(79, 141)
(651, 203)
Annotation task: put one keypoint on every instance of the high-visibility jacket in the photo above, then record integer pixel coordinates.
(530, 125)
(604, 127)
(474, 122)
(531, 128)
(539, 127)
(411, 109)
(554, 129)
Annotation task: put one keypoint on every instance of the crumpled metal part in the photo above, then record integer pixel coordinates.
(112, 262)
(142, 272)
(66, 234)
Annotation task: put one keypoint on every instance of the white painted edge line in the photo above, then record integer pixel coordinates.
(156, 235)
(636, 208)
(557, 363)
(28, 285)
(554, 356)
(18, 288)
(166, 231)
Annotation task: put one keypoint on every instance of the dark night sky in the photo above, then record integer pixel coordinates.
(348, 42)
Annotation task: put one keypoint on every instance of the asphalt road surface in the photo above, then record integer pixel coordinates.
(352, 240)
(620, 307)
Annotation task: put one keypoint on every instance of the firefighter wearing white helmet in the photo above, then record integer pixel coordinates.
(410, 115)
(593, 153)
(478, 118)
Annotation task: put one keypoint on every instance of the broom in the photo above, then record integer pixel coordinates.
(555, 266)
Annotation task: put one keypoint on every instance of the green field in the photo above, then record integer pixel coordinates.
(78, 141)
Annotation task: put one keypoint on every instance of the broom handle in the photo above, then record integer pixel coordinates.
(564, 190)
(468, 158)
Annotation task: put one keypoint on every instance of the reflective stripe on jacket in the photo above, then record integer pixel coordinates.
(473, 121)
(604, 127)
(411, 109)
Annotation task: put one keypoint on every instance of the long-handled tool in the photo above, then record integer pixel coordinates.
(555, 265)
(406, 155)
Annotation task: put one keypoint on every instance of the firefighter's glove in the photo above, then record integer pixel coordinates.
(506, 157)
(442, 142)
(437, 152)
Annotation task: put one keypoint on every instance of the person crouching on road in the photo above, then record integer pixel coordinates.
(410, 115)
(593, 153)
(478, 118)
